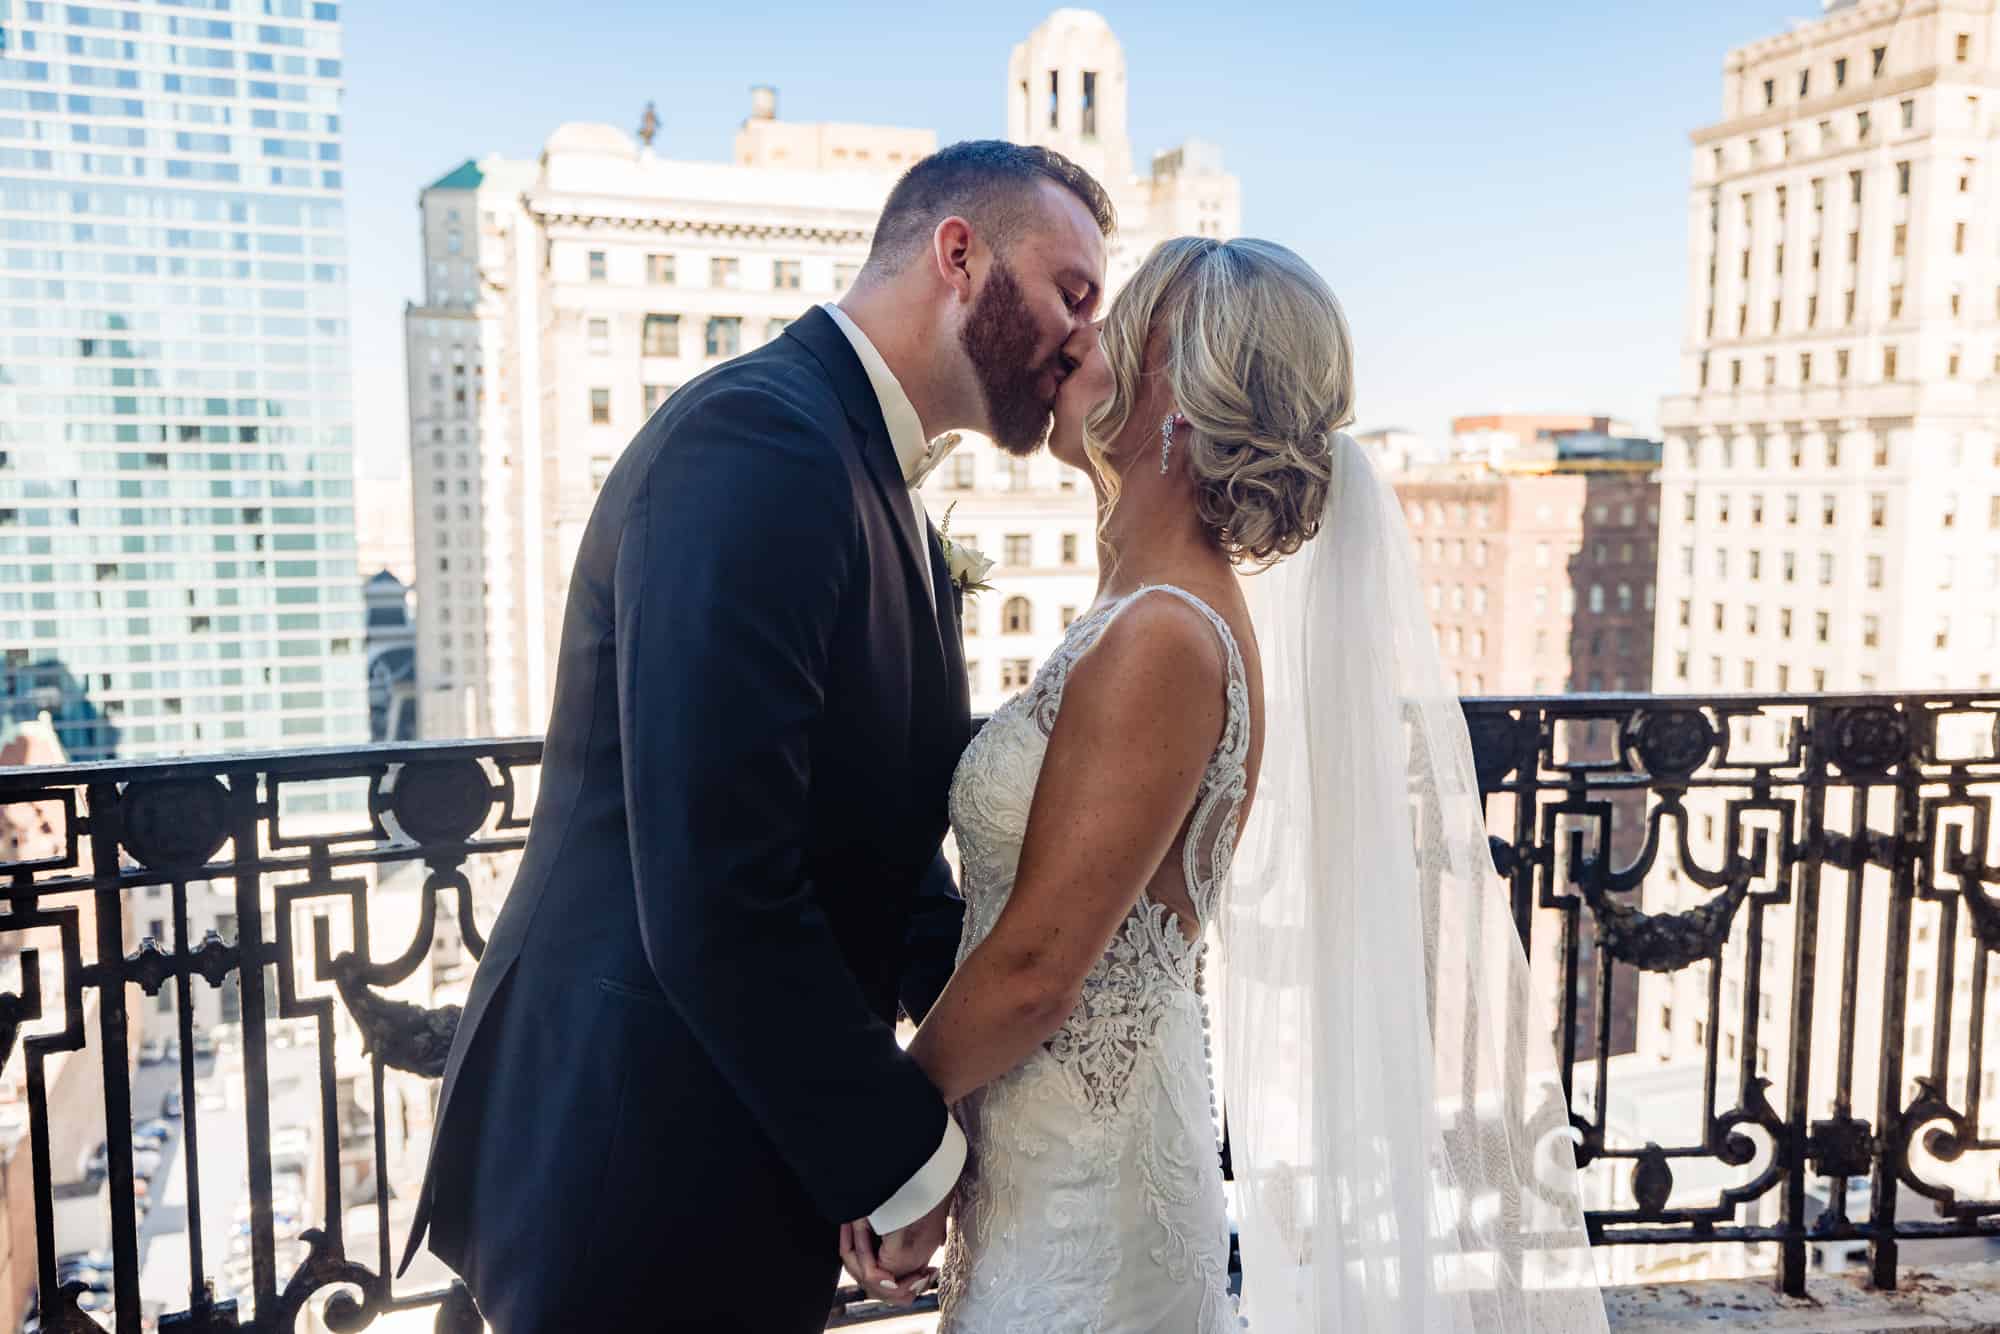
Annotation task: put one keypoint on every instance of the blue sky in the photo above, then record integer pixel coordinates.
(1497, 193)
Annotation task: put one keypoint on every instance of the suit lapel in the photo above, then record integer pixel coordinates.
(951, 631)
(829, 346)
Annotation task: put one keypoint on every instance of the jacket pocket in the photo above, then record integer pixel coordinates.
(613, 987)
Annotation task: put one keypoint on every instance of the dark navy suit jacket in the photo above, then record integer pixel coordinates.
(678, 1047)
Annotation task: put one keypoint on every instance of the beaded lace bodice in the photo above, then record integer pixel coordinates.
(1094, 1201)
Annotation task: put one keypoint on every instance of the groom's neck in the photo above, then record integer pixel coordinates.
(903, 329)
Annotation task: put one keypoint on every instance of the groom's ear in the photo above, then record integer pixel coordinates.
(952, 247)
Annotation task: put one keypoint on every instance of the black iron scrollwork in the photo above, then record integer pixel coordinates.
(1867, 740)
(406, 1037)
(174, 825)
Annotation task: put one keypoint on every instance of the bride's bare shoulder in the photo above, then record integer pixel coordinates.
(1158, 651)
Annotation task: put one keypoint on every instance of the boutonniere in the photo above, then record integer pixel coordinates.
(967, 566)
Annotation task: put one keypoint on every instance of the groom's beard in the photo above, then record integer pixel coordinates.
(999, 338)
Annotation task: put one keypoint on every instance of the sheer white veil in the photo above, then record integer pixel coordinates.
(1398, 1133)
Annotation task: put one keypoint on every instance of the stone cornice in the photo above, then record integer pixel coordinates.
(687, 218)
(1819, 108)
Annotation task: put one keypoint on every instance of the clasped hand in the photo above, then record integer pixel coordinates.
(897, 1268)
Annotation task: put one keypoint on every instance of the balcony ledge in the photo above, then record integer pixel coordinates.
(1956, 1297)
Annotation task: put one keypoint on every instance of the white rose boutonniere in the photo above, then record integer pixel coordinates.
(967, 566)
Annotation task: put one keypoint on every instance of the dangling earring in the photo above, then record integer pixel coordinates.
(1167, 426)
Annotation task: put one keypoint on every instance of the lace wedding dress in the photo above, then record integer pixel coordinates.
(1093, 1199)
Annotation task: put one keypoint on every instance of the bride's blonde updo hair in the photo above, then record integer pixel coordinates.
(1256, 352)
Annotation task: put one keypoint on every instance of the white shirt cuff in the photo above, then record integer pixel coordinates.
(933, 1181)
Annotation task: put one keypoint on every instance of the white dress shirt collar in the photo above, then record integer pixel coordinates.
(906, 430)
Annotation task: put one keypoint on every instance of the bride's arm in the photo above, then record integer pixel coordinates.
(1140, 716)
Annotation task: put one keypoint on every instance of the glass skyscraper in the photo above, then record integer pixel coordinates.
(177, 567)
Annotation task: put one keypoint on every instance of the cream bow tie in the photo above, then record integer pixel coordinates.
(934, 454)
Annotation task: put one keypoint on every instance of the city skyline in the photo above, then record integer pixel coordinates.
(177, 522)
(1568, 314)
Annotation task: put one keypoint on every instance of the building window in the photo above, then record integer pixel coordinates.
(725, 271)
(1840, 357)
(1756, 565)
(1862, 123)
(1963, 51)
(1840, 72)
(1055, 100)
(600, 468)
(1958, 239)
(1871, 631)
(725, 336)
(1805, 368)
(1828, 510)
(1090, 104)
(1790, 566)
(600, 407)
(1013, 673)
(660, 269)
(1874, 567)
(1900, 240)
(785, 275)
(597, 266)
(964, 472)
(1854, 187)
(1888, 363)
(600, 336)
(772, 328)
(1909, 110)
(1880, 55)
(1784, 622)
(1017, 617)
(1791, 510)
(1019, 550)
(1016, 471)
(1770, 92)
(1822, 626)
(1068, 617)
(1069, 548)
(1878, 510)
(1825, 568)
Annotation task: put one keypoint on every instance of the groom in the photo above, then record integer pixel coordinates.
(676, 1074)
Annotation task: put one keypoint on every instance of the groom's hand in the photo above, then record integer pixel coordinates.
(859, 1257)
(909, 1250)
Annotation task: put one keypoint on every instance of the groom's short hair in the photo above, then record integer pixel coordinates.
(988, 182)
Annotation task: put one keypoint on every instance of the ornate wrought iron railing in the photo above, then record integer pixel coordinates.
(1850, 838)
(1638, 836)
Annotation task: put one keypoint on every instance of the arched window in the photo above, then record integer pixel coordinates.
(1017, 617)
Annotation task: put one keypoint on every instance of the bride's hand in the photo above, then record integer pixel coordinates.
(858, 1257)
(908, 1251)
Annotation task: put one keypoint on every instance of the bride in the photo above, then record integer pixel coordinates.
(1400, 1144)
